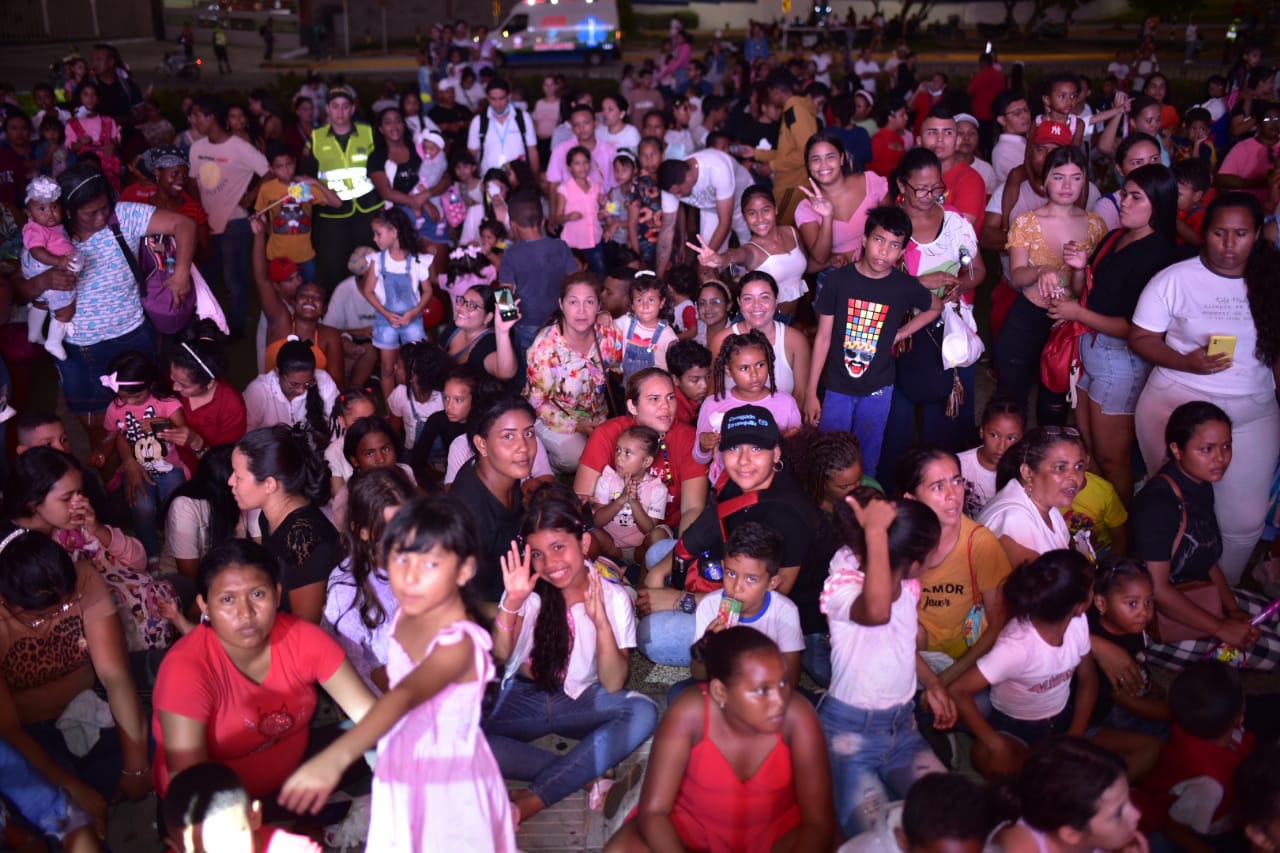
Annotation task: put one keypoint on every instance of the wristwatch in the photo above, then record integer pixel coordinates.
(687, 603)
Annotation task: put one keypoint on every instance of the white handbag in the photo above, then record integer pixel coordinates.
(961, 345)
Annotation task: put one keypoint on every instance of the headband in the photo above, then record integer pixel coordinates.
(12, 536)
(186, 346)
(469, 251)
(80, 185)
(115, 383)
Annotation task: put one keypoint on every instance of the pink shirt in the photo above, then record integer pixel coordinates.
(1249, 159)
(37, 236)
(154, 455)
(584, 233)
(846, 234)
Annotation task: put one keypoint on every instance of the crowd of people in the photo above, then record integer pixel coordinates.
(690, 373)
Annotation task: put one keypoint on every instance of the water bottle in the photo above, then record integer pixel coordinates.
(710, 567)
(170, 264)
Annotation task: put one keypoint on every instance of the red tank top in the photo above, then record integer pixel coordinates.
(720, 813)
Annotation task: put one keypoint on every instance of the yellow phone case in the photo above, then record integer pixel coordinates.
(1222, 344)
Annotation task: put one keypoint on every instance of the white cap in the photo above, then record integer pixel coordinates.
(959, 117)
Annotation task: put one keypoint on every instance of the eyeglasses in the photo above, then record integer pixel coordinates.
(463, 302)
(296, 387)
(707, 303)
(926, 192)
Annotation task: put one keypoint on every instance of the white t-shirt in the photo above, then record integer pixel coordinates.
(1107, 208)
(864, 67)
(266, 404)
(628, 137)
(1030, 679)
(718, 179)
(460, 451)
(988, 173)
(872, 667)
(224, 172)
(581, 671)
(348, 309)
(1011, 513)
(1189, 303)
(338, 464)
(502, 143)
(186, 532)
(413, 413)
(1007, 154)
(979, 483)
(822, 69)
(778, 619)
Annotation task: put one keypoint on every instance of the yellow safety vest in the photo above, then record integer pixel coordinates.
(345, 170)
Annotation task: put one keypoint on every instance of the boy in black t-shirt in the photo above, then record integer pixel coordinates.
(866, 302)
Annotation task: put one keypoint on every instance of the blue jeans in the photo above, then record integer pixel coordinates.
(865, 417)
(608, 726)
(79, 374)
(231, 258)
(147, 505)
(522, 337)
(871, 750)
(43, 804)
(816, 658)
(665, 637)
(953, 434)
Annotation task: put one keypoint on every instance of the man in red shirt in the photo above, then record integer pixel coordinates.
(966, 190)
(983, 88)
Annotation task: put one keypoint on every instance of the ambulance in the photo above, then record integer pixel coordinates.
(560, 31)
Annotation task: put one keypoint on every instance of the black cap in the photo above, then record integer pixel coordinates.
(752, 425)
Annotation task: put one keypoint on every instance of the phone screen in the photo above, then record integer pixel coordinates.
(506, 300)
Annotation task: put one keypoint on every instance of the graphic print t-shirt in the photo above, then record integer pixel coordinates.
(867, 314)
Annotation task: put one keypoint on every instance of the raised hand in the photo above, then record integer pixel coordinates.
(707, 256)
(878, 514)
(821, 204)
(518, 576)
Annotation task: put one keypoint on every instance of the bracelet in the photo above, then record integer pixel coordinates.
(143, 772)
(502, 627)
(502, 605)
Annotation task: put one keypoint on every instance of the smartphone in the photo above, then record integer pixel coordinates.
(161, 424)
(1222, 344)
(506, 299)
(731, 610)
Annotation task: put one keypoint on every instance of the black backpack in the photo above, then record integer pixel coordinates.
(484, 127)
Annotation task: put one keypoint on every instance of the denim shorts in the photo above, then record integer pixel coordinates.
(81, 372)
(1031, 732)
(386, 336)
(1113, 374)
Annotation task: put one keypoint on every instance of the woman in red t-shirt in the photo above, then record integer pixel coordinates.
(240, 688)
(739, 763)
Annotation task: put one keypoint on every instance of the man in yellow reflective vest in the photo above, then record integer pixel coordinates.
(342, 149)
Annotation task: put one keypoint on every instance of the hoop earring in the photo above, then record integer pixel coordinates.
(777, 466)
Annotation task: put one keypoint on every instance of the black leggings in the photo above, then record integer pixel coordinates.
(1017, 361)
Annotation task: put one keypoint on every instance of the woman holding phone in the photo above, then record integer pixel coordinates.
(480, 337)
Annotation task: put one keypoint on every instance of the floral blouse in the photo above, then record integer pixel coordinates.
(566, 387)
(644, 191)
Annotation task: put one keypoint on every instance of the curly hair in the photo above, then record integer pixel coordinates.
(732, 345)
(813, 456)
(406, 234)
(372, 493)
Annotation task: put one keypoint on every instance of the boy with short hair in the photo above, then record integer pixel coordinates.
(1190, 795)
(1197, 144)
(40, 429)
(534, 266)
(752, 557)
(866, 301)
(208, 809)
(286, 214)
(689, 364)
(1194, 179)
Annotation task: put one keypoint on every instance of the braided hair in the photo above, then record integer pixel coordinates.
(732, 345)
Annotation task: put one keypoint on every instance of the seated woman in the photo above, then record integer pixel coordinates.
(569, 366)
(59, 634)
(212, 407)
(299, 321)
(46, 494)
(1176, 533)
(294, 393)
(240, 688)
(961, 611)
(759, 488)
(202, 513)
(480, 338)
(1038, 478)
(279, 471)
(739, 764)
(564, 634)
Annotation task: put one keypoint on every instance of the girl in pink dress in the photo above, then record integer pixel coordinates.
(436, 784)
